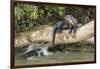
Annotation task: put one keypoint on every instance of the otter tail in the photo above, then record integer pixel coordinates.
(54, 34)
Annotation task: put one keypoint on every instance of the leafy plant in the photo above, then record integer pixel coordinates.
(29, 16)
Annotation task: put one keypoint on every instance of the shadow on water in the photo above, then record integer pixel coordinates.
(61, 53)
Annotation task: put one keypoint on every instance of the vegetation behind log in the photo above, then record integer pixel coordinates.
(27, 17)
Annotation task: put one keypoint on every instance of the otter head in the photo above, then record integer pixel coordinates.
(69, 19)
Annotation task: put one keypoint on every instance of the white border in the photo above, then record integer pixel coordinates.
(5, 34)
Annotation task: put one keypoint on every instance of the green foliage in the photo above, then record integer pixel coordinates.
(29, 16)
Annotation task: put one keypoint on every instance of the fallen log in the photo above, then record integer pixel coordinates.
(45, 34)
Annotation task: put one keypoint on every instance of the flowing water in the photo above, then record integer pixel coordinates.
(83, 54)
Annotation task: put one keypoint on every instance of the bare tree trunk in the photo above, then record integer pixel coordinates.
(83, 33)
